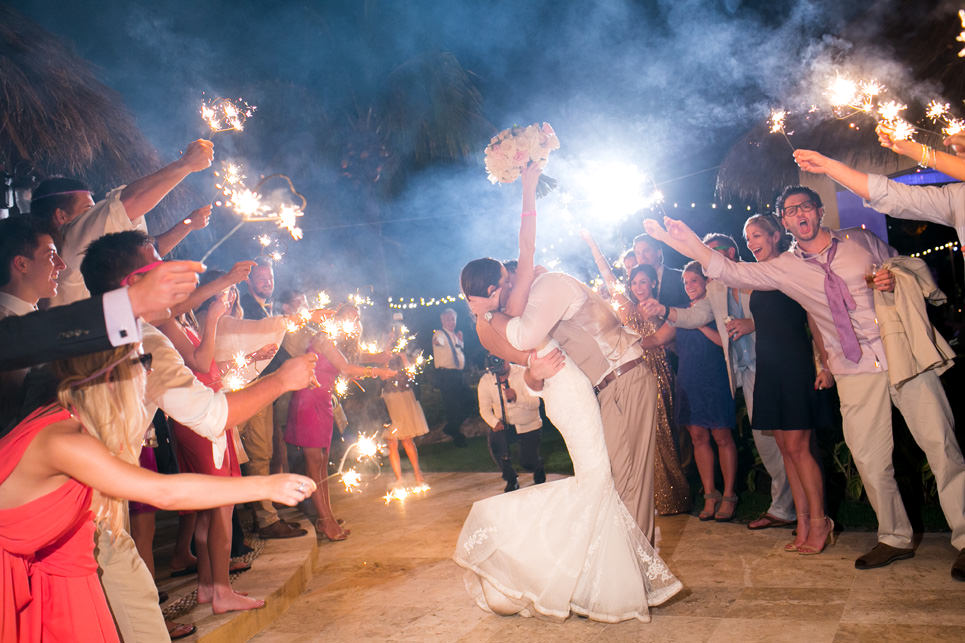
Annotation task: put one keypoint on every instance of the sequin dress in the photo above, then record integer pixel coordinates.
(671, 492)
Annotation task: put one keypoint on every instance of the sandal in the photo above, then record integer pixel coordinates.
(180, 630)
(727, 517)
(343, 533)
(704, 516)
(832, 537)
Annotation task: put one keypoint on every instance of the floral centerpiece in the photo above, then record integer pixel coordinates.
(513, 149)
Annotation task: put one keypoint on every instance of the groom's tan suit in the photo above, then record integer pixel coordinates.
(592, 336)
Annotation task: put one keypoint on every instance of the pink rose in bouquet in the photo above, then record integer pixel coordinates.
(513, 149)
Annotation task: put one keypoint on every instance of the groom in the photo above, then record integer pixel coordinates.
(591, 334)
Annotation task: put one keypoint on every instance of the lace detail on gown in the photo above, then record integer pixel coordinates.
(568, 545)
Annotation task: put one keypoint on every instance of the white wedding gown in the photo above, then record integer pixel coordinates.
(568, 545)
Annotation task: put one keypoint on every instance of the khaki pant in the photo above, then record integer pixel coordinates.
(866, 410)
(629, 409)
(130, 590)
(279, 458)
(256, 436)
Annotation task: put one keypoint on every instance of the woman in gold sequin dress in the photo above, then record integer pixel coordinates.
(671, 489)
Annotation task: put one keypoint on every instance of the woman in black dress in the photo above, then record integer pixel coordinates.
(784, 391)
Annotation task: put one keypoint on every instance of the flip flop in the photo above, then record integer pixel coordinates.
(767, 521)
(239, 566)
(180, 630)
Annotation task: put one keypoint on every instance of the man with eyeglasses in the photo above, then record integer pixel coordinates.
(828, 272)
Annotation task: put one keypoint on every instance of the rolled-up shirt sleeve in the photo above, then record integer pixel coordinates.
(549, 298)
(484, 391)
(698, 315)
(173, 387)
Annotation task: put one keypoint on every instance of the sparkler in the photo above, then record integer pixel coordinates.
(416, 366)
(225, 115)
(352, 480)
(368, 451)
(401, 493)
(250, 205)
(940, 113)
(359, 300)
(778, 116)
(232, 382)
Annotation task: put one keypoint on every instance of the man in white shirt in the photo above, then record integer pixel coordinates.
(29, 266)
(449, 361)
(508, 407)
(122, 258)
(67, 209)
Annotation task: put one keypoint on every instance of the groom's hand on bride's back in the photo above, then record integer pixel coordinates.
(541, 368)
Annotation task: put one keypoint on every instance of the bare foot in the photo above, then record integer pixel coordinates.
(178, 564)
(802, 533)
(205, 593)
(330, 528)
(818, 531)
(235, 602)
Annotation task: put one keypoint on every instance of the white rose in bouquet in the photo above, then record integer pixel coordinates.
(513, 149)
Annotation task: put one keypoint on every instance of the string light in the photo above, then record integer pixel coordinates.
(403, 303)
(945, 246)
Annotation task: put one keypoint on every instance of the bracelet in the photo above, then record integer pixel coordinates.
(924, 156)
(368, 371)
(529, 213)
(666, 313)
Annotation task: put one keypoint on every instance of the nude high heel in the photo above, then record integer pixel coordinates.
(832, 538)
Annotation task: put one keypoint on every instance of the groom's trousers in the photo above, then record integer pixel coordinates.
(629, 409)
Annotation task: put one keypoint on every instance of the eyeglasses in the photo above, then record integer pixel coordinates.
(144, 360)
(806, 206)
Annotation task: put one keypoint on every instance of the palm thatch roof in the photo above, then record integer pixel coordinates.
(920, 41)
(57, 118)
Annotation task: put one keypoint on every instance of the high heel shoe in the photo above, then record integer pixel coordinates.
(792, 547)
(832, 538)
(727, 517)
(704, 516)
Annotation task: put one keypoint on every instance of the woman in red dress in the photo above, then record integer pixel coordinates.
(60, 470)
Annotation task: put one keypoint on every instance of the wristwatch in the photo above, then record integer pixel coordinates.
(488, 316)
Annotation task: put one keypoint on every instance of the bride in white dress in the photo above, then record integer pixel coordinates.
(569, 545)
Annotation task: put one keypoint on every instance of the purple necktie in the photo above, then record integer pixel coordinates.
(840, 301)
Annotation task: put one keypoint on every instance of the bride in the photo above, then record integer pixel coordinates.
(569, 545)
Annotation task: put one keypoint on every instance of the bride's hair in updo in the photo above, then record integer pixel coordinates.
(478, 275)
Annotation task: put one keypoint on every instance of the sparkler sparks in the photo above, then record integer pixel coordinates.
(340, 387)
(416, 366)
(776, 120)
(232, 382)
(961, 36)
(352, 480)
(225, 115)
(239, 360)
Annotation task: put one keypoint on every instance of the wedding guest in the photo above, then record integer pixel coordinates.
(449, 360)
(730, 309)
(669, 287)
(671, 489)
(705, 405)
(407, 419)
(60, 471)
(67, 209)
(258, 434)
(128, 258)
(508, 407)
(310, 417)
(29, 266)
(629, 261)
(785, 401)
(825, 272)
(97, 323)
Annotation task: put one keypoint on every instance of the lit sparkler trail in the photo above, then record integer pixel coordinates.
(368, 451)
(224, 115)
(778, 116)
(416, 366)
(848, 98)
(400, 494)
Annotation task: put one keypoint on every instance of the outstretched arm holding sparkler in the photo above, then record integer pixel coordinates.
(238, 273)
(938, 204)
(197, 220)
(142, 195)
(322, 344)
(816, 163)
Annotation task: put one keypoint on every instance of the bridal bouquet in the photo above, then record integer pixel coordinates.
(512, 149)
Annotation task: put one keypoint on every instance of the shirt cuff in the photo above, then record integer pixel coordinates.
(122, 326)
(716, 265)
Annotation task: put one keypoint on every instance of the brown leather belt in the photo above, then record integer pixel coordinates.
(622, 369)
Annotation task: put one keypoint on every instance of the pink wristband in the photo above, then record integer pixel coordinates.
(529, 213)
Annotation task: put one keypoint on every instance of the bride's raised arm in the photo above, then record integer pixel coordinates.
(525, 267)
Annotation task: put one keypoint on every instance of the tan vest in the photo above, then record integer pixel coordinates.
(594, 338)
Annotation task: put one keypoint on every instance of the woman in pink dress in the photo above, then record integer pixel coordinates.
(60, 470)
(310, 417)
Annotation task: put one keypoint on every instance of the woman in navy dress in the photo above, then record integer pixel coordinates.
(705, 405)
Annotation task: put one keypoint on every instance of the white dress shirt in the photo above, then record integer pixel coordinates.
(937, 204)
(523, 413)
(105, 217)
(442, 356)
